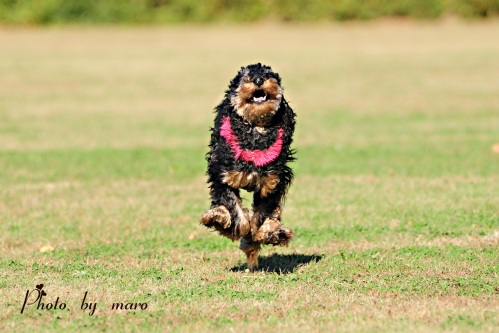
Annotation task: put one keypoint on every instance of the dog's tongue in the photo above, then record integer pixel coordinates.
(259, 99)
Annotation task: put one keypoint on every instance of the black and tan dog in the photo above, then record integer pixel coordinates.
(250, 149)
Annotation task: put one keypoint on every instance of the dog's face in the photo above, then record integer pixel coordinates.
(256, 93)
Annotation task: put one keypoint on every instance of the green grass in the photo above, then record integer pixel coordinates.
(103, 134)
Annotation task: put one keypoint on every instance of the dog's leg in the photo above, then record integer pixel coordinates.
(267, 221)
(248, 245)
(226, 214)
(251, 250)
(218, 217)
(265, 226)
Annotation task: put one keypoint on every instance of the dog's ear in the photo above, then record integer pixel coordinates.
(234, 83)
(288, 119)
(274, 75)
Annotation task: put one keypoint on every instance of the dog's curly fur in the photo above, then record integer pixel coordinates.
(258, 117)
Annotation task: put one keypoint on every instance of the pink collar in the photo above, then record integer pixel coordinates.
(258, 157)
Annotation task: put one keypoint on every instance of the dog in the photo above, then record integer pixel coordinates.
(250, 149)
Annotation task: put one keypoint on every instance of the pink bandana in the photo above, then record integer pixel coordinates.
(258, 157)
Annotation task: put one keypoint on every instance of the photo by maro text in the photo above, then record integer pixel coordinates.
(37, 299)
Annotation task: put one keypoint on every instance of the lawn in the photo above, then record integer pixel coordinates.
(395, 203)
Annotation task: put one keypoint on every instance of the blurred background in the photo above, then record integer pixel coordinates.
(169, 11)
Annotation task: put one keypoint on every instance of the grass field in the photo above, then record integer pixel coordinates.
(395, 204)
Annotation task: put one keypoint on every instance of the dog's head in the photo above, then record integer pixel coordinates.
(256, 93)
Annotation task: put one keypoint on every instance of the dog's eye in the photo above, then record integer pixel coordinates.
(246, 79)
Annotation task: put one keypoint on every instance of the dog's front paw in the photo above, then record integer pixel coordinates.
(218, 218)
(272, 232)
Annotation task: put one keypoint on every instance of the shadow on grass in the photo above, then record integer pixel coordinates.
(280, 263)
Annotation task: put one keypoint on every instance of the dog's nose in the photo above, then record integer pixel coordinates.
(258, 81)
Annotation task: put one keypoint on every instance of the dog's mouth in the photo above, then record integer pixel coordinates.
(259, 96)
(257, 104)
